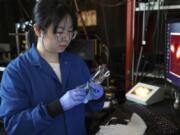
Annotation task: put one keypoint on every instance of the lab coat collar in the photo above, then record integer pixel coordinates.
(34, 57)
(37, 60)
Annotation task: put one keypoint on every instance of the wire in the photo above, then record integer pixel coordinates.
(142, 73)
(82, 21)
(139, 61)
(105, 26)
(25, 11)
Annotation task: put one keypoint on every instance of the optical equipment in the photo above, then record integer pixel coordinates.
(145, 94)
(100, 75)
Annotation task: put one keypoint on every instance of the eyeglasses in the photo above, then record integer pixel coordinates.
(68, 35)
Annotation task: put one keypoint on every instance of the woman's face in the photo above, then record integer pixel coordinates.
(59, 41)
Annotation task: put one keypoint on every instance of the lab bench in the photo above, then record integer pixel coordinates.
(160, 118)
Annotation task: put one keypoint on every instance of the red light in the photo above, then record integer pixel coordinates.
(172, 48)
(178, 52)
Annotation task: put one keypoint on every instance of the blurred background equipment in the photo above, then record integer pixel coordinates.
(145, 94)
(86, 49)
(172, 61)
(5, 53)
(21, 36)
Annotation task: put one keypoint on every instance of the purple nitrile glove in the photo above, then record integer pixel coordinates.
(72, 98)
(97, 91)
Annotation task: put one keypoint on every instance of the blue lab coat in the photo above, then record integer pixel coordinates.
(29, 84)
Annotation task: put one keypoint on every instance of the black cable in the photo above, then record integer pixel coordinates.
(25, 11)
(142, 72)
(105, 26)
(78, 11)
(156, 35)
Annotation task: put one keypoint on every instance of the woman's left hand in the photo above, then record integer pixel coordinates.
(97, 91)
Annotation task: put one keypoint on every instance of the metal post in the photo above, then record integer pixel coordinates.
(17, 39)
(129, 42)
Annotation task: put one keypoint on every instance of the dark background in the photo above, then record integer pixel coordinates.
(111, 18)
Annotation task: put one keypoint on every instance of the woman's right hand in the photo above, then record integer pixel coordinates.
(72, 98)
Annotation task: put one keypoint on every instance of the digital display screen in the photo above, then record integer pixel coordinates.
(173, 53)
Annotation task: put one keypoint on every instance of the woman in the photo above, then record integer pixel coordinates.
(39, 89)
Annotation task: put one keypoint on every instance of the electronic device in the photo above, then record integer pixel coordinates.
(173, 57)
(173, 53)
(145, 94)
(5, 54)
(86, 49)
(89, 18)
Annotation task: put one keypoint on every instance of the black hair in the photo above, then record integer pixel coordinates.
(47, 12)
(31, 38)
